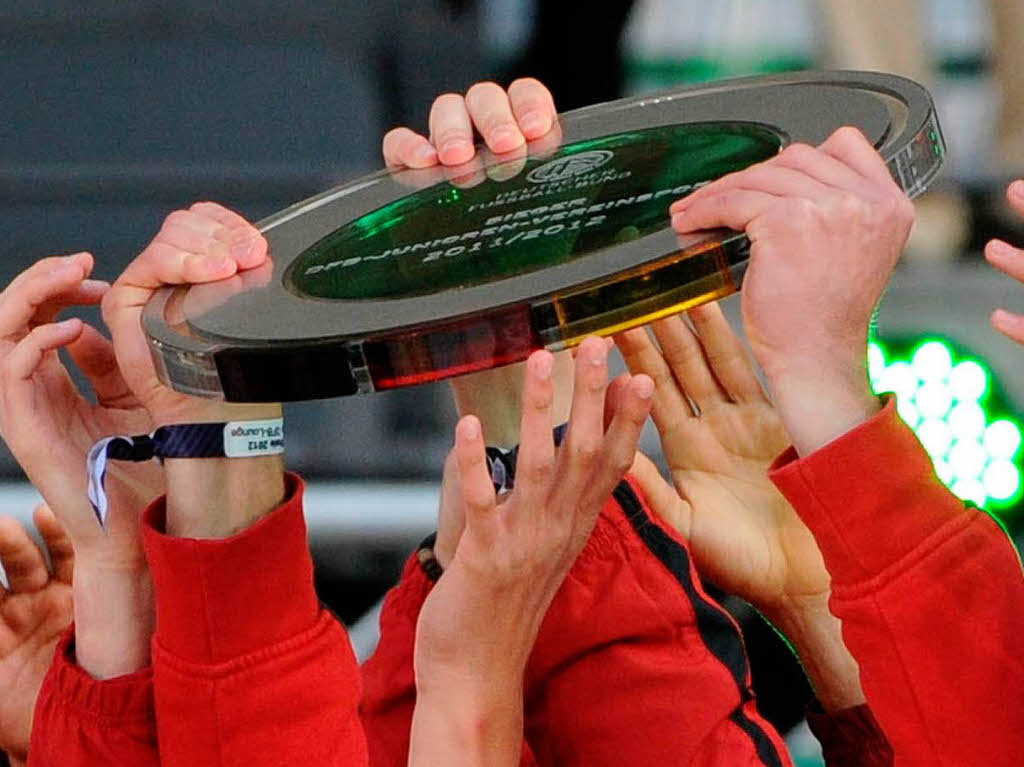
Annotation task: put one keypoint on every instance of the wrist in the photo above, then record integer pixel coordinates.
(468, 725)
(210, 498)
(183, 409)
(495, 397)
(114, 618)
(821, 402)
(486, 678)
(816, 636)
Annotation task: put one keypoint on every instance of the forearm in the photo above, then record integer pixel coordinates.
(467, 727)
(494, 396)
(80, 721)
(114, 619)
(209, 498)
(816, 636)
(823, 402)
(218, 497)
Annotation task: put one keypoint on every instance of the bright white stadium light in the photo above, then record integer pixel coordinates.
(943, 471)
(970, 490)
(900, 379)
(967, 420)
(936, 436)
(968, 381)
(1001, 480)
(932, 361)
(944, 398)
(1002, 439)
(933, 400)
(967, 458)
(908, 412)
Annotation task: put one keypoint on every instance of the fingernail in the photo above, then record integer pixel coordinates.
(678, 220)
(471, 429)
(426, 154)
(1000, 248)
(533, 123)
(242, 249)
(1003, 319)
(543, 366)
(210, 263)
(68, 324)
(1017, 189)
(454, 145)
(505, 136)
(219, 263)
(644, 387)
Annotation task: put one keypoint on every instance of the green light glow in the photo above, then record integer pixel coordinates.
(944, 397)
(967, 458)
(876, 362)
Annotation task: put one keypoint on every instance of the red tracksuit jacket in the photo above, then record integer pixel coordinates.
(930, 593)
(652, 668)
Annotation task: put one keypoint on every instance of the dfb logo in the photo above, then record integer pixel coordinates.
(567, 167)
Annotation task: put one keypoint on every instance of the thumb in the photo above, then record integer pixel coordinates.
(662, 497)
(193, 246)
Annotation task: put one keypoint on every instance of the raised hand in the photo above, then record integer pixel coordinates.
(506, 120)
(49, 425)
(1010, 260)
(478, 625)
(206, 243)
(35, 609)
(203, 244)
(720, 433)
(827, 226)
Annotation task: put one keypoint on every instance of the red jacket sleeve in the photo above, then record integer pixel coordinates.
(851, 738)
(930, 593)
(389, 684)
(247, 667)
(83, 722)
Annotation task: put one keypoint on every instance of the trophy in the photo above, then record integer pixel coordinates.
(409, 276)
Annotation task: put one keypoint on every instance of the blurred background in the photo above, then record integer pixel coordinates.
(115, 113)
